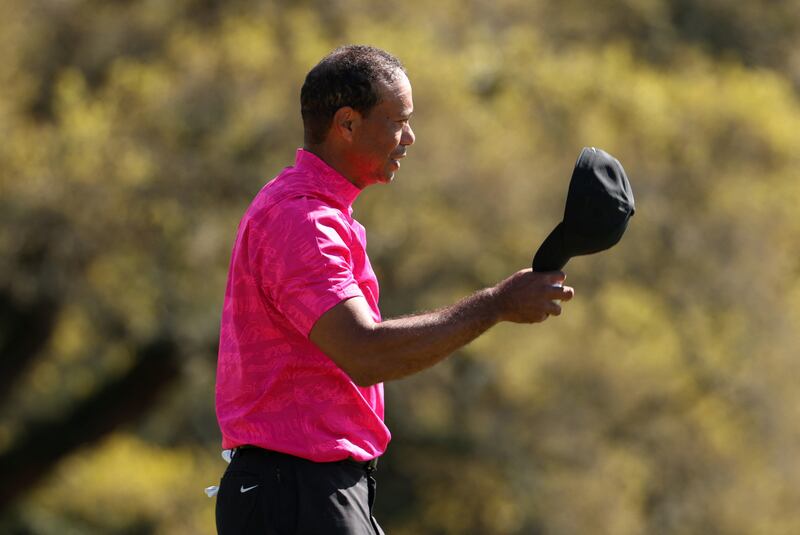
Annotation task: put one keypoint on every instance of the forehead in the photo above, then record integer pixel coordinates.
(396, 95)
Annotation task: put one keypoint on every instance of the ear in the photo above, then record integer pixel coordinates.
(345, 121)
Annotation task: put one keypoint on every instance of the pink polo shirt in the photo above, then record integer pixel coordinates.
(298, 252)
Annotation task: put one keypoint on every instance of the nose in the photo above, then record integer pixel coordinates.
(408, 137)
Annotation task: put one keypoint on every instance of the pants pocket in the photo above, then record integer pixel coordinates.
(237, 501)
(284, 505)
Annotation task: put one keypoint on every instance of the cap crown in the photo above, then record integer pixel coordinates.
(599, 203)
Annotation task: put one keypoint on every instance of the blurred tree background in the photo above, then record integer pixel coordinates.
(664, 401)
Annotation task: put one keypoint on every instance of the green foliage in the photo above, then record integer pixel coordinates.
(133, 485)
(661, 402)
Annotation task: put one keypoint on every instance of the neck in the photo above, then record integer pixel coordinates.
(335, 159)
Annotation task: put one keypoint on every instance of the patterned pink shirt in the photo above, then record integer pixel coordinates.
(298, 252)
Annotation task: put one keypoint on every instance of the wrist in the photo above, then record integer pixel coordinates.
(495, 303)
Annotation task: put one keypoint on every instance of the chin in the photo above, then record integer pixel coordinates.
(385, 179)
(384, 176)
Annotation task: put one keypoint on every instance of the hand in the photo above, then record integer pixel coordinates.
(530, 297)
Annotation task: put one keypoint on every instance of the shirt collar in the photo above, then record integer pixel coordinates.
(326, 179)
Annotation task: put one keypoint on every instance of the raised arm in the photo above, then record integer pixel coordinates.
(373, 352)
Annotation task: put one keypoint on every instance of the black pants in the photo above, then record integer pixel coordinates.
(271, 493)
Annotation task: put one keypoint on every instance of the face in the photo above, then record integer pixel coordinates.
(381, 138)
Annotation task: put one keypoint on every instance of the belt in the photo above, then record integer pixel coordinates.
(370, 466)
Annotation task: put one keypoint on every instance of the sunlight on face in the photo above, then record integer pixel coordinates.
(383, 135)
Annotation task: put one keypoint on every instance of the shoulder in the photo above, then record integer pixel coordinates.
(306, 210)
(299, 217)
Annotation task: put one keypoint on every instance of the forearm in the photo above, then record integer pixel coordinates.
(402, 346)
(372, 352)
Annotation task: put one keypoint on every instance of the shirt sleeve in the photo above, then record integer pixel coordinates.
(302, 257)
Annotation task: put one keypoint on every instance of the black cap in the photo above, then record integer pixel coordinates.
(599, 205)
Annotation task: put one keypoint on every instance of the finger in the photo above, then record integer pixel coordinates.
(555, 277)
(562, 293)
(553, 309)
(567, 293)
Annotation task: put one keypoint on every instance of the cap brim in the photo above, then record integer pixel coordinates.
(552, 254)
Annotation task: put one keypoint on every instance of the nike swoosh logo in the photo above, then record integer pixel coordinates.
(243, 490)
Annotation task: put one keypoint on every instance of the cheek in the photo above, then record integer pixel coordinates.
(382, 141)
(395, 134)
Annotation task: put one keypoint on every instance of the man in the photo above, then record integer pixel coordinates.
(303, 349)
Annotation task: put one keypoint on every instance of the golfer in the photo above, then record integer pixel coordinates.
(303, 350)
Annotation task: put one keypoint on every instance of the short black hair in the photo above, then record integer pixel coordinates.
(348, 76)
